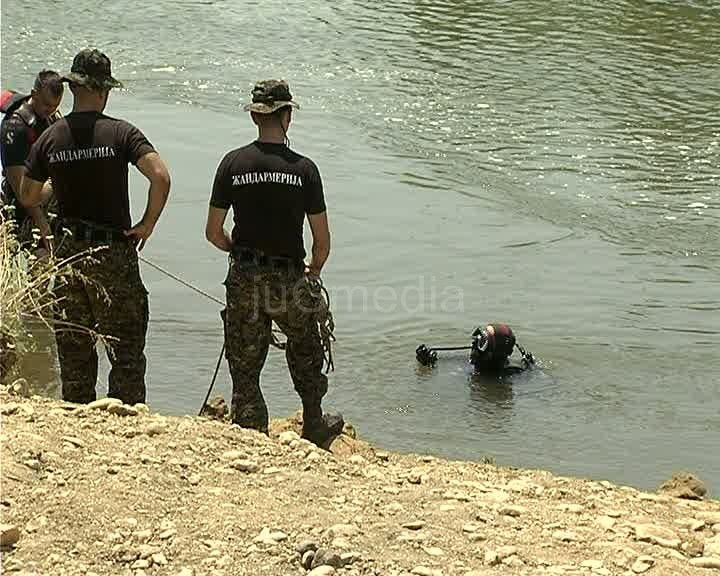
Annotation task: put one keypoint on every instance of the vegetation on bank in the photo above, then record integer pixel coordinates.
(27, 275)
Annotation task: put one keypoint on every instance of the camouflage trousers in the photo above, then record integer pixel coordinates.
(255, 298)
(104, 297)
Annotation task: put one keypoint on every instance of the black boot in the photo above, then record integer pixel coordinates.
(320, 430)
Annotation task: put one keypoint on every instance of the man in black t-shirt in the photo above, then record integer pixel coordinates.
(87, 154)
(271, 190)
(26, 119)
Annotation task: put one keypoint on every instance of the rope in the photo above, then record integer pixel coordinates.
(324, 319)
(181, 281)
(323, 315)
(177, 278)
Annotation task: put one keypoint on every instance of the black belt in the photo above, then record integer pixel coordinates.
(256, 258)
(93, 234)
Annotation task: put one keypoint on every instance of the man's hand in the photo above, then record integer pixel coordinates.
(311, 272)
(139, 234)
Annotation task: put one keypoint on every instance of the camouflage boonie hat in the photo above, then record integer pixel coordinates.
(91, 68)
(269, 96)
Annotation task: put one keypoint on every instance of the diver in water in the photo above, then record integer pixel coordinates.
(490, 352)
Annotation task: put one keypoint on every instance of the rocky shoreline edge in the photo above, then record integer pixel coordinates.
(108, 489)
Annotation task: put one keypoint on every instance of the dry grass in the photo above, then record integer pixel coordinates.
(26, 282)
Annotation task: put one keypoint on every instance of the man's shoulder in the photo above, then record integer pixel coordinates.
(117, 122)
(242, 153)
(12, 123)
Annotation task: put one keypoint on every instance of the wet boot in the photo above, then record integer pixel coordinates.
(320, 429)
(254, 416)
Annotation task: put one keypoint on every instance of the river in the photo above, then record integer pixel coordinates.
(551, 165)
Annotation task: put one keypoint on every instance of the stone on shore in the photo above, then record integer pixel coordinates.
(9, 535)
(103, 403)
(684, 485)
(657, 535)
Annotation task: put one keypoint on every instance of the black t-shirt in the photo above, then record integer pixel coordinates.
(87, 154)
(18, 132)
(271, 189)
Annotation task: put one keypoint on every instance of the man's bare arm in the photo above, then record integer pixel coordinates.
(31, 192)
(153, 168)
(321, 242)
(15, 175)
(215, 230)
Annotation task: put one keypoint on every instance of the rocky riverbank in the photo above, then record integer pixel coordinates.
(117, 490)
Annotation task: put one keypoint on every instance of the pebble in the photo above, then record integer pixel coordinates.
(382, 456)
(656, 535)
(194, 479)
(476, 537)
(313, 457)
(9, 535)
(716, 528)
(35, 524)
(167, 534)
(357, 459)
(142, 408)
(414, 525)
(712, 546)
(232, 455)
(459, 496)
(307, 558)
(140, 564)
(491, 558)
(269, 537)
(305, 546)
(425, 571)
(434, 551)
(122, 410)
(349, 558)
(565, 536)
(159, 559)
(497, 496)
(341, 543)
(145, 551)
(709, 517)
(112, 470)
(321, 571)
(414, 477)
(103, 403)
(706, 562)
(185, 572)
(155, 429)
(592, 564)
(506, 551)
(243, 465)
(9, 409)
(142, 535)
(471, 527)
(514, 511)
(643, 564)
(606, 522)
(287, 437)
(325, 557)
